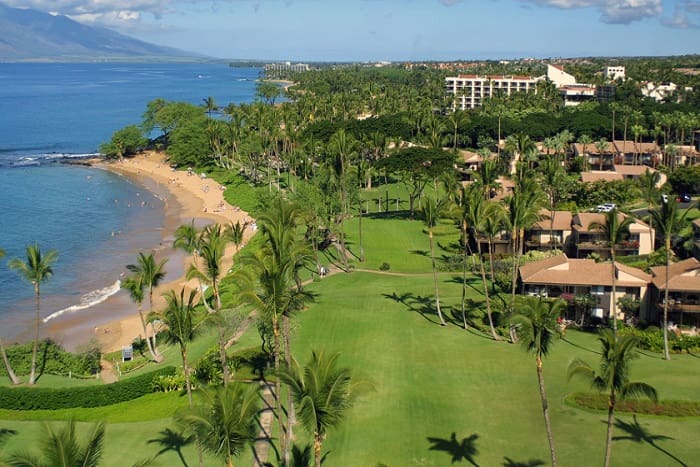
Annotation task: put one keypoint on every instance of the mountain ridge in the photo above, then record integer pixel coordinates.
(31, 35)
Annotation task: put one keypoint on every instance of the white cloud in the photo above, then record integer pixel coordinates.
(611, 11)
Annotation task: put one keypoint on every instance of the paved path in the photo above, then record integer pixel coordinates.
(263, 442)
(107, 372)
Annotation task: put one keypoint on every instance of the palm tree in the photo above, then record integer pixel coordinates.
(62, 448)
(536, 323)
(613, 376)
(8, 367)
(601, 146)
(150, 273)
(431, 209)
(552, 177)
(226, 420)
(476, 212)
(322, 393)
(648, 182)
(187, 238)
(585, 140)
(35, 270)
(211, 246)
(181, 326)
(615, 227)
(669, 221)
(235, 235)
(135, 288)
(210, 105)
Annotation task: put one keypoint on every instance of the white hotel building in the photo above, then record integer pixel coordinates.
(470, 90)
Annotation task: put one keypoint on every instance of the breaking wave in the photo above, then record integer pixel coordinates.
(88, 300)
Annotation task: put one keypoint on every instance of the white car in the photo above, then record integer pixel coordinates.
(607, 207)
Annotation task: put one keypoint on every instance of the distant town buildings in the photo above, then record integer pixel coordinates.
(660, 91)
(284, 68)
(612, 73)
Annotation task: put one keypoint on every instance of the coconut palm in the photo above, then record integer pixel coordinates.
(225, 422)
(585, 140)
(669, 221)
(615, 227)
(61, 447)
(181, 326)
(151, 273)
(601, 146)
(8, 367)
(613, 376)
(134, 286)
(535, 324)
(431, 210)
(211, 246)
(322, 393)
(36, 269)
(234, 234)
(648, 182)
(552, 178)
(187, 238)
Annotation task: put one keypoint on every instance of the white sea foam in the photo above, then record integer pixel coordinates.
(88, 300)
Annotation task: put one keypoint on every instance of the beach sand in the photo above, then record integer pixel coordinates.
(187, 196)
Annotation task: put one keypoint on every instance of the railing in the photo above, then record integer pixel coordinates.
(678, 305)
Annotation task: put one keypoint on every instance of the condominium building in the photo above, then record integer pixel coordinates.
(471, 90)
(614, 72)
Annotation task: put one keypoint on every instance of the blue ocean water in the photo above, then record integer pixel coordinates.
(95, 219)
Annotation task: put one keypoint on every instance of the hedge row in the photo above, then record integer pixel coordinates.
(26, 398)
(642, 406)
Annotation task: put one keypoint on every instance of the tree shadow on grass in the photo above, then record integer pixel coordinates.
(564, 339)
(417, 303)
(508, 462)
(171, 440)
(639, 434)
(424, 253)
(459, 450)
(402, 214)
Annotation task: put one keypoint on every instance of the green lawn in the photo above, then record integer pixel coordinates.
(440, 394)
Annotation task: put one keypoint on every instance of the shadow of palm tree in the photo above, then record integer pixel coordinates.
(508, 462)
(459, 450)
(639, 434)
(563, 339)
(424, 253)
(417, 303)
(171, 440)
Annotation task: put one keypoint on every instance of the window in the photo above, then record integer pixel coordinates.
(597, 290)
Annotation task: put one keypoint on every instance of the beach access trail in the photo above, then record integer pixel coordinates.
(197, 197)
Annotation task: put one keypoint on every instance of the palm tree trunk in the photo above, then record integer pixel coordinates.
(154, 357)
(290, 397)
(667, 354)
(318, 444)
(486, 291)
(464, 274)
(15, 380)
(186, 369)
(222, 355)
(545, 411)
(613, 307)
(362, 250)
(278, 383)
(32, 374)
(435, 279)
(153, 328)
(611, 422)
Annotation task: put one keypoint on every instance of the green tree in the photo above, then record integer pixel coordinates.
(613, 376)
(267, 91)
(535, 324)
(36, 269)
(225, 422)
(669, 221)
(150, 273)
(322, 393)
(648, 182)
(211, 245)
(234, 234)
(552, 174)
(8, 366)
(61, 447)
(615, 227)
(431, 210)
(127, 141)
(210, 105)
(134, 286)
(181, 326)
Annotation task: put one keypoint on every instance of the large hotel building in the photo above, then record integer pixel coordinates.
(470, 90)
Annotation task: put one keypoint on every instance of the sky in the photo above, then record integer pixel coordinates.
(397, 30)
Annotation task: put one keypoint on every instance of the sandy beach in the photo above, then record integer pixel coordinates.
(196, 197)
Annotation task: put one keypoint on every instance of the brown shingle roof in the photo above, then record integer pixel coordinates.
(682, 276)
(562, 220)
(560, 270)
(594, 176)
(632, 147)
(633, 170)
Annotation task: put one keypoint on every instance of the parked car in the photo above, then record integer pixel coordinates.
(684, 198)
(607, 207)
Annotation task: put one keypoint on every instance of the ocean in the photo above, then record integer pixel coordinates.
(95, 219)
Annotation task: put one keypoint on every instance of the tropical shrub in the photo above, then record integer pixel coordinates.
(648, 407)
(54, 360)
(25, 398)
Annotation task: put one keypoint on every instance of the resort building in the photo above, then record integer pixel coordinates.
(560, 276)
(611, 73)
(588, 238)
(552, 231)
(278, 69)
(471, 90)
(661, 91)
(683, 291)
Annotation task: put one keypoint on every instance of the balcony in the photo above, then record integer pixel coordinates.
(684, 305)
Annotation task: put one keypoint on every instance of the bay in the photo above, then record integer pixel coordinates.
(96, 220)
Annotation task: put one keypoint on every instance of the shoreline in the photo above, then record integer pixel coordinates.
(186, 197)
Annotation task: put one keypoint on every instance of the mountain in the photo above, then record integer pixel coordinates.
(33, 35)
